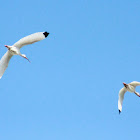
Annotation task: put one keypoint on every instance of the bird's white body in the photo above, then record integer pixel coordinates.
(15, 49)
(130, 88)
(127, 87)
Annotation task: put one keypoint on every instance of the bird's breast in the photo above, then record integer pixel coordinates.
(14, 51)
(131, 88)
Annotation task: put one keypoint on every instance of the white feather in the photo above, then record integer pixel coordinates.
(4, 62)
(135, 83)
(121, 97)
(30, 39)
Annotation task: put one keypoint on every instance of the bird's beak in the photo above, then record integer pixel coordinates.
(6, 46)
(27, 59)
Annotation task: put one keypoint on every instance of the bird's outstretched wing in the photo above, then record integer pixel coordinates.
(4, 62)
(31, 39)
(135, 83)
(121, 97)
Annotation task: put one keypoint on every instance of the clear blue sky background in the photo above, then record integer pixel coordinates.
(69, 91)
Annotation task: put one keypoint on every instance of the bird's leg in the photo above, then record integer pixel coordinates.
(7, 47)
(137, 93)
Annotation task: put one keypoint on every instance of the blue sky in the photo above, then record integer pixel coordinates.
(69, 91)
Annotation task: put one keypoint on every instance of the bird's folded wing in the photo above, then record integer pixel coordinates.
(4, 62)
(121, 97)
(135, 83)
(30, 39)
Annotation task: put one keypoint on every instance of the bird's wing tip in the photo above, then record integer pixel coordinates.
(46, 34)
(119, 111)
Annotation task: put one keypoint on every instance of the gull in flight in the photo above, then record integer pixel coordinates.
(15, 49)
(127, 87)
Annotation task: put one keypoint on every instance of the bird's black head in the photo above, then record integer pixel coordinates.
(46, 34)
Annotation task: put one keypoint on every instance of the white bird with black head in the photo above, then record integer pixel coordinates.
(127, 87)
(15, 49)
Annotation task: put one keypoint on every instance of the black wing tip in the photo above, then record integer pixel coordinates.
(119, 111)
(46, 34)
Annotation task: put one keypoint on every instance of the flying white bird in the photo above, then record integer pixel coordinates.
(127, 87)
(15, 49)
